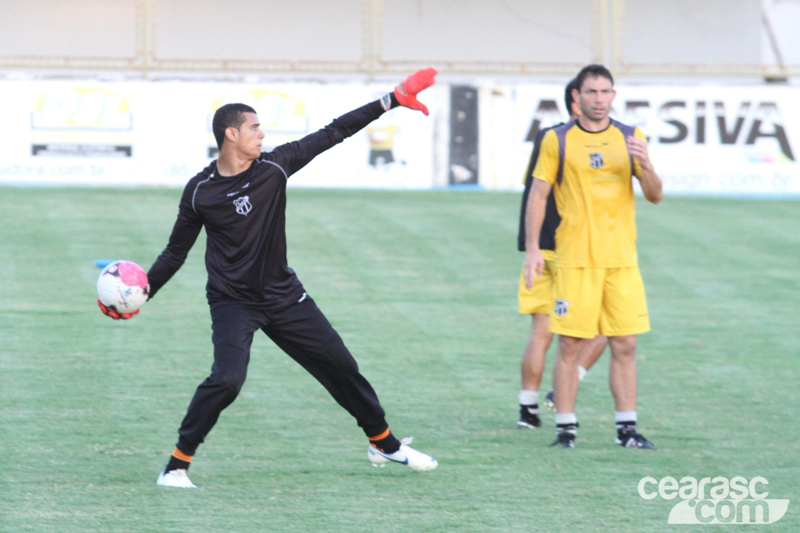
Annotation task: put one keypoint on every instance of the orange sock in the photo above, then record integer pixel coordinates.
(179, 460)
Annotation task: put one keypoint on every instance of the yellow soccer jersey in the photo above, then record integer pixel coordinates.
(594, 194)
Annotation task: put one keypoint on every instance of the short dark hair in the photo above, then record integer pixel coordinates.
(568, 99)
(228, 116)
(593, 71)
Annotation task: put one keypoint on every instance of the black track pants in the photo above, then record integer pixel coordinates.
(303, 332)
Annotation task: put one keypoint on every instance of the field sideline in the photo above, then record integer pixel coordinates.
(422, 287)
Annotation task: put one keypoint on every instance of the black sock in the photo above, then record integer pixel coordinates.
(178, 460)
(567, 428)
(530, 409)
(626, 427)
(175, 464)
(385, 442)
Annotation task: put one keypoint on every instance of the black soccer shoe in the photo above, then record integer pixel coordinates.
(527, 419)
(565, 439)
(629, 438)
(550, 402)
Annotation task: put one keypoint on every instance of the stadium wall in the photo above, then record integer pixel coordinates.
(381, 39)
(704, 139)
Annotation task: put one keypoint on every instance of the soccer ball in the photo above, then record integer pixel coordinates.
(123, 286)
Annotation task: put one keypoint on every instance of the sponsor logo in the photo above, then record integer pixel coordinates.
(743, 123)
(83, 122)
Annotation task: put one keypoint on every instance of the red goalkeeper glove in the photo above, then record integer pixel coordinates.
(113, 314)
(406, 92)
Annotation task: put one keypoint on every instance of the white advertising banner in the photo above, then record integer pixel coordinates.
(159, 133)
(704, 139)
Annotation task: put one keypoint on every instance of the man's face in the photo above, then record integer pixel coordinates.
(595, 97)
(249, 136)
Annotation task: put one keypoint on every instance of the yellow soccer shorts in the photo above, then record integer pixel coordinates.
(588, 301)
(539, 299)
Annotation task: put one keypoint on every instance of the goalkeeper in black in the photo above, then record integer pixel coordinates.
(240, 199)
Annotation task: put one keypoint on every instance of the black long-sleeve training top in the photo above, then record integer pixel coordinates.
(245, 220)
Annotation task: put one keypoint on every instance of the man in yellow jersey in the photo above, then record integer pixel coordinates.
(598, 288)
(538, 301)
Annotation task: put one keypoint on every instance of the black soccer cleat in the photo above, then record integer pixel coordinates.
(529, 417)
(565, 439)
(550, 402)
(630, 438)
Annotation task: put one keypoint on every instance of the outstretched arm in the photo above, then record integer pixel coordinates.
(406, 92)
(295, 155)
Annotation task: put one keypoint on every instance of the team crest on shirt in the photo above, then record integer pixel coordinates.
(561, 308)
(243, 205)
(596, 160)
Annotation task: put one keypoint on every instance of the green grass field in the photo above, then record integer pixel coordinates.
(422, 286)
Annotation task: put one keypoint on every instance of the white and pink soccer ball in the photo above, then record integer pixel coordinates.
(123, 286)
